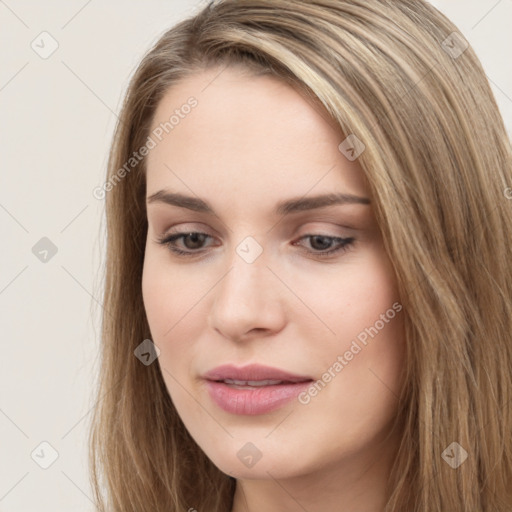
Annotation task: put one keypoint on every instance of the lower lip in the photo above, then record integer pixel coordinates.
(258, 400)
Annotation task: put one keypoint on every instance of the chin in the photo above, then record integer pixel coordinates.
(249, 462)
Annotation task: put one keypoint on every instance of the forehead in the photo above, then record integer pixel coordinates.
(248, 134)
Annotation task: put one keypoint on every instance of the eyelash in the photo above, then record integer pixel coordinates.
(345, 244)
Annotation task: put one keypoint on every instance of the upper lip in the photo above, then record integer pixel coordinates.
(252, 372)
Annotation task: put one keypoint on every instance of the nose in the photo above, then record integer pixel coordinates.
(248, 301)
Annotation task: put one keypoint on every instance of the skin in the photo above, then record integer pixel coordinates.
(248, 144)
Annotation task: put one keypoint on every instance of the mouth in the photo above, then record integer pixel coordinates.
(252, 384)
(253, 389)
(255, 384)
(253, 374)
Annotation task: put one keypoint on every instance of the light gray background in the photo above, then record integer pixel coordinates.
(57, 119)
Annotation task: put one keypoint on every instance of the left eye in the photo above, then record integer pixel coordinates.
(322, 243)
(193, 242)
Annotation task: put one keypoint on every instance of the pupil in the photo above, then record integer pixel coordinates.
(326, 242)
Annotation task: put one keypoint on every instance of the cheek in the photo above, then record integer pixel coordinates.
(361, 305)
(166, 292)
(376, 322)
(173, 305)
(351, 298)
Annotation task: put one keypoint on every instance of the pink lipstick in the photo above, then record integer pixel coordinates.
(253, 389)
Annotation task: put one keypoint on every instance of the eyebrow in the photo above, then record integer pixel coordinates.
(282, 208)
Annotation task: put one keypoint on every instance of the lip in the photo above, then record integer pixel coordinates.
(253, 400)
(253, 372)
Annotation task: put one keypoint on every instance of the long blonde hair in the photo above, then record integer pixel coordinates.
(438, 161)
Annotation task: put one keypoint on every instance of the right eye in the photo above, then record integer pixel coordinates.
(192, 240)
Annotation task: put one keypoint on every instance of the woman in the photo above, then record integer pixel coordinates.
(308, 298)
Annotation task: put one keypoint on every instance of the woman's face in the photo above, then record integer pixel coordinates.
(272, 275)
